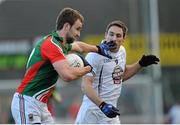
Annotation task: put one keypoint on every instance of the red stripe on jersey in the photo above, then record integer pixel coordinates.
(45, 97)
(51, 51)
(29, 76)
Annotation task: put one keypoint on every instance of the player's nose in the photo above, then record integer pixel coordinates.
(114, 38)
(78, 34)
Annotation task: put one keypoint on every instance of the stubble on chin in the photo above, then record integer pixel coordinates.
(70, 40)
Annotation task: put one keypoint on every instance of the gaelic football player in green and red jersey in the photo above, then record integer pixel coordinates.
(46, 62)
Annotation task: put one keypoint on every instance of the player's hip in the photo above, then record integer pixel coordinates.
(26, 110)
(94, 116)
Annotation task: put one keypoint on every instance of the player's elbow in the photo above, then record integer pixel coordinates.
(83, 87)
(66, 75)
(67, 78)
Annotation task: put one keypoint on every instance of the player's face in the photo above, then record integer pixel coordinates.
(115, 34)
(74, 32)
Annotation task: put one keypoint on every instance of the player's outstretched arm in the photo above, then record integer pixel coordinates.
(102, 49)
(145, 61)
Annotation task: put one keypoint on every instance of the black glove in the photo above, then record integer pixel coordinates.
(103, 49)
(85, 61)
(147, 60)
(109, 110)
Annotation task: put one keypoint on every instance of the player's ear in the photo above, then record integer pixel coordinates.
(105, 35)
(67, 26)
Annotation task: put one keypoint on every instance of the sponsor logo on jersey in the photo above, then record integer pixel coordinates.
(117, 74)
(107, 60)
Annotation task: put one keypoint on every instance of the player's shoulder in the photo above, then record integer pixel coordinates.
(122, 48)
(51, 42)
(122, 51)
(47, 41)
(92, 54)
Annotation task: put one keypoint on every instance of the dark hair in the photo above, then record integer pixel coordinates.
(68, 15)
(119, 24)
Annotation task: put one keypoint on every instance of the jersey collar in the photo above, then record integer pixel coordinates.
(65, 46)
(55, 35)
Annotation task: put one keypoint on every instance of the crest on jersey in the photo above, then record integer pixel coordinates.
(116, 61)
(117, 75)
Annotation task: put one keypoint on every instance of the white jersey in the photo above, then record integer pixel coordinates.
(107, 84)
(109, 75)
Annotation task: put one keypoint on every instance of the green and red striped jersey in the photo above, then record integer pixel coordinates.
(40, 77)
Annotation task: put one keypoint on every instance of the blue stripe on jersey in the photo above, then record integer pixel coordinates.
(100, 80)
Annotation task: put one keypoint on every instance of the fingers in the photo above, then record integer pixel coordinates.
(155, 58)
(103, 50)
(155, 62)
(111, 45)
(116, 111)
(147, 60)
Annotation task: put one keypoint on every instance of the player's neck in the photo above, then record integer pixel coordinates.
(62, 34)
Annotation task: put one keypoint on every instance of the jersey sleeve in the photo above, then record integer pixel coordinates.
(52, 51)
(123, 51)
(93, 61)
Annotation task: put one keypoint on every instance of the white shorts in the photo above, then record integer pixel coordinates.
(91, 115)
(28, 110)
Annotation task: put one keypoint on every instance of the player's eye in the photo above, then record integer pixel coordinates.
(118, 35)
(79, 28)
(111, 34)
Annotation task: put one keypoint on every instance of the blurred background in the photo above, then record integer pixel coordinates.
(153, 28)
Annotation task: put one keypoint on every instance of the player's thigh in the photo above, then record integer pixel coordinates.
(46, 116)
(23, 111)
(87, 116)
(106, 120)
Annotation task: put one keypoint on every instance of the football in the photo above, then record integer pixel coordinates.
(74, 60)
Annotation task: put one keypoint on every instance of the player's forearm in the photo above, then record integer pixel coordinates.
(90, 92)
(131, 70)
(85, 48)
(75, 73)
(68, 73)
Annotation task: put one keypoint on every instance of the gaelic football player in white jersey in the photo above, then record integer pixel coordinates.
(102, 89)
